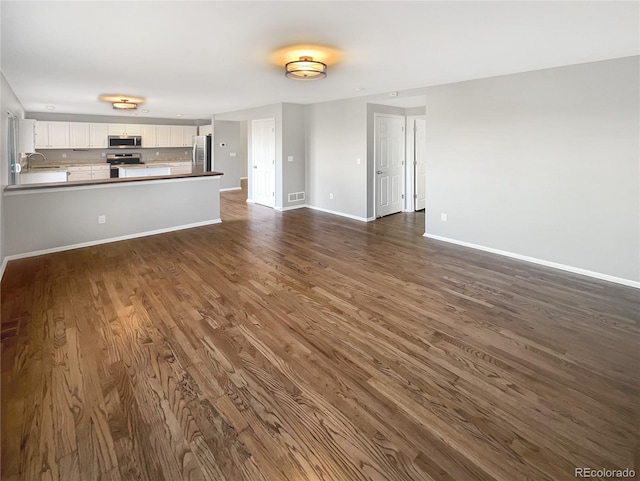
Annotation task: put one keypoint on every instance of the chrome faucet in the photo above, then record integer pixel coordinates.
(44, 159)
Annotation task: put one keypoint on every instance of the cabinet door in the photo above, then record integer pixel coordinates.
(117, 129)
(26, 136)
(163, 136)
(100, 172)
(74, 176)
(177, 139)
(79, 135)
(149, 136)
(133, 129)
(42, 135)
(98, 135)
(58, 135)
(188, 133)
(205, 130)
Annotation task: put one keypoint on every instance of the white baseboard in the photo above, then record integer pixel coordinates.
(228, 189)
(250, 201)
(244, 178)
(111, 239)
(3, 267)
(291, 207)
(534, 260)
(341, 214)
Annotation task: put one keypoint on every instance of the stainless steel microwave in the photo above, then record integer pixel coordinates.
(125, 141)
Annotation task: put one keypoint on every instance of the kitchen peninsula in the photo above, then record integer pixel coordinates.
(42, 218)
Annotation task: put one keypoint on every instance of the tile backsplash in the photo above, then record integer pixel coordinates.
(96, 155)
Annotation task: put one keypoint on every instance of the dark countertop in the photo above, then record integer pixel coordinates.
(118, 180)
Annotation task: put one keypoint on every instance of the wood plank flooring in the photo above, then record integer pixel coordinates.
(302, 346)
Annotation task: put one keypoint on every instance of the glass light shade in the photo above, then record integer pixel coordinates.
(124, 105)
(306, 69)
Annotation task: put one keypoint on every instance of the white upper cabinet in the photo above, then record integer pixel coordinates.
(26, 136)
(52, 135)
(164, 135)
(205, 130)
(150, 136)
(182, 135)
(79, 135)
(124, 129)
(83, 135)
(98, 134)
(189, 132)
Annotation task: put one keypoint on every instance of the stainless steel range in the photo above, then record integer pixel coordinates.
(121, 159)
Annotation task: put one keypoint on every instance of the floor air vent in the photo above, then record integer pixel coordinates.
(295, 196)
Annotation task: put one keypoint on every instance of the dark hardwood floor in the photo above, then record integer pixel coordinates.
(302, 346)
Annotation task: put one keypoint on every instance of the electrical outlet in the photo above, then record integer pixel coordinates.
(330, 196)
(358, 161)
(102, 219)
(443, 217)
(104, 154)
(64, 156)
(157, 153)
(290, 158)
(186, 152)
(232, 154)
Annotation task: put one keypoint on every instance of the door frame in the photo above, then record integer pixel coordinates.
(376, 116)
(251, 195)
(410, 166)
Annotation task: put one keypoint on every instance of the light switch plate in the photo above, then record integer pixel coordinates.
(290, 158)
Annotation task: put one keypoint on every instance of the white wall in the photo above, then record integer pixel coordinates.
(336, 138)
(543, 164)
(8, 102)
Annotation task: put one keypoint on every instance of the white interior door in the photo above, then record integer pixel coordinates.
(420, 163)
(389, 162)
(263, 152)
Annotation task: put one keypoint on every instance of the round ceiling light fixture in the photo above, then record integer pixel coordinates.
(124, 104)
(306, 69)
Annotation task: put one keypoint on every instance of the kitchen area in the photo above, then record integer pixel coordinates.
(97, 152)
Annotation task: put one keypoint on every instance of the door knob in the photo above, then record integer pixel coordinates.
(379, 172)
(255, 166)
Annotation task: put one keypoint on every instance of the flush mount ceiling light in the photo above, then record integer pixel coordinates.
(122, 101)
(124, 104)
(306, 69)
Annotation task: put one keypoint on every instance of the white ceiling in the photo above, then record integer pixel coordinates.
(199, 58)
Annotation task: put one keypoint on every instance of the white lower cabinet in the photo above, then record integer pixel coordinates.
(100, 172)
(179, 168)
(88, 172)
(79, 172)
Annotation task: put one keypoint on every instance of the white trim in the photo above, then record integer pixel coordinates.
(3, 267)
(250, 201)
(534, 260)
(111, 239)
(291, 207)
(229, 189)
(342, 214)
(106, 185)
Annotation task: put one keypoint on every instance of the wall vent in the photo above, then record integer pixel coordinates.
(296, 196)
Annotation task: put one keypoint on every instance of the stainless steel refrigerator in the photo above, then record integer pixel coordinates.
(202, 154)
